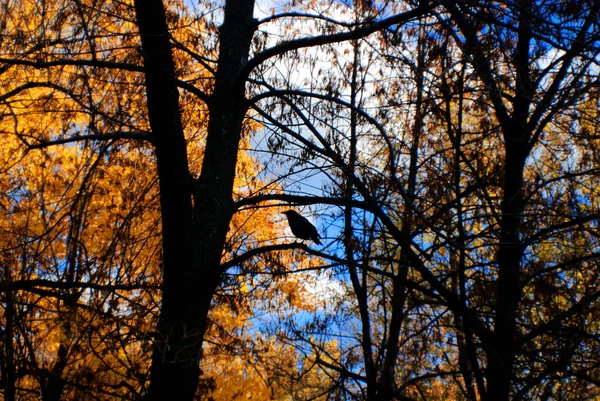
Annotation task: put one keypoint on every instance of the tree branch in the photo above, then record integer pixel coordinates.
(27, 285)
(96, 137)
(258, 251)
(358, 33)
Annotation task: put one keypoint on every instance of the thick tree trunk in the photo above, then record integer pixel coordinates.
(195, 214)
(177, 343)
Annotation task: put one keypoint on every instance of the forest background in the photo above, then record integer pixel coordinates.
(447, 151)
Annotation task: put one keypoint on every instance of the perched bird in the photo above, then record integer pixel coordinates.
(301, 227)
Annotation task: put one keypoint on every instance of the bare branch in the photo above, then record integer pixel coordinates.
(27, 285)
(358, 33)
(92, 137)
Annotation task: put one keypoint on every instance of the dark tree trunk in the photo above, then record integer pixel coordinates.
(501, 354)
(177, 343)
(195, 213)
(517, 136)
(9, 376)
(387, 382)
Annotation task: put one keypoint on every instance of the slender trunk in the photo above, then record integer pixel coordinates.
(501, 354)
(53, 386)
(387, 382)
(9, 369)
(469, 365)
(195, 213)
(360, 288)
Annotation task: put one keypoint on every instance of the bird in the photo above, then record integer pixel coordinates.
(301, 227)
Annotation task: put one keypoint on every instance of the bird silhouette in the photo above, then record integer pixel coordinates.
(301, 227)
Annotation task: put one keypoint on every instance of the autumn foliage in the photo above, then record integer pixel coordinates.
(447, 152)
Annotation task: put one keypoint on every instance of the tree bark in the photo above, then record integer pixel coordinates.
(177, 343)
(517, 136)
(387, 383)
(9, 376)
(195, 213)
(501, 354)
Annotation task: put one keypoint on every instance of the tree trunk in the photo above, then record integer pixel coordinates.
(387, 383)
(517, 135)
(195, 213)
(501, 354)
(9, 376)
(177, 343)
